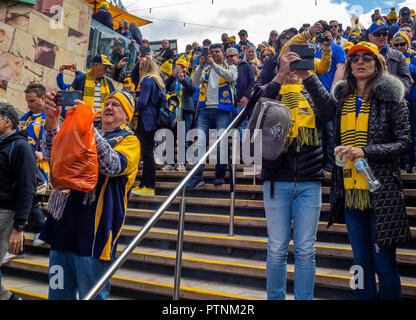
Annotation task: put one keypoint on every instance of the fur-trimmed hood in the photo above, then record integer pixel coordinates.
(389, 88)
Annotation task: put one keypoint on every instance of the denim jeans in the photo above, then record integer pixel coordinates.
(212, 118)
(299, 202)
(79, 275)
(244, 124)
(362, 235)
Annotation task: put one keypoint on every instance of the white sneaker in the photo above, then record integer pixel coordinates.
(8, 257)
(168, 167)
(36, 241)
(180, 167)
(158, 159)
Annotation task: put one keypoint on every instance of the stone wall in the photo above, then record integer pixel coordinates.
(32, 48)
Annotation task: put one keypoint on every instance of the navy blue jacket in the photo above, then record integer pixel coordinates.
(245, 81)
(148, 102)
(188, 91)
(104, 17)
(18, 176)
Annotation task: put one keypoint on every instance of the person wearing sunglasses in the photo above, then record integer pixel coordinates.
(333, 24)
(401, 42)
(243, 44)
(371, 122)
(214, 108)
(396, 62)
(273, 39)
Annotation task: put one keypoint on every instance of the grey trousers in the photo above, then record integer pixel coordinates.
(6, 226)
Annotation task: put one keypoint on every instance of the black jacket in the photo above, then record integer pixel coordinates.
(79, 83)
(188, 91)
(305, 165)
(104, 17)
(18, 176)
(388, 139)
(136, 34)
(245, 80)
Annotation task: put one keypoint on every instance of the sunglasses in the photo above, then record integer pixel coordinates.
(380, 34)
(230, 56)
(334, 26)
(274, 34)
(287, 37)
(402, 44)
(265, 56)
(366, 57)
(216, 45)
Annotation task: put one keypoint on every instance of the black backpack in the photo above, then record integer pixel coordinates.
(166, 117)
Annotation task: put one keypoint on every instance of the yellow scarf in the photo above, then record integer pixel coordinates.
(354, 131)
(303, 127)
(89, 90)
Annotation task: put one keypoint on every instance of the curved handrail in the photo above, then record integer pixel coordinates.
(139, 237)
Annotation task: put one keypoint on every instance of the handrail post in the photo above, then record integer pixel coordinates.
(233, 178)
(179, 247)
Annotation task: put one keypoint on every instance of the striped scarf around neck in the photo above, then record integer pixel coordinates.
(89, 90)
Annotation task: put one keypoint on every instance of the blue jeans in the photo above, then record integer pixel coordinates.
(244, 124)
(299, 202)
(362, 235)
(79, 273)
(212, 118)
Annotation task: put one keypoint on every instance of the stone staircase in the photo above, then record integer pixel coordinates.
(215, 265)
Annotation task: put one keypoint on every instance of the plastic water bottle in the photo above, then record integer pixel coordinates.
(365, 171)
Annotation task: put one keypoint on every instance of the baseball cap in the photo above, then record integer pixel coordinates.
(376, 26)
(103, 60)
(242, 32)
(404, 12)
(363, 45)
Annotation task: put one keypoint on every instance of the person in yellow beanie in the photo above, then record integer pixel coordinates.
(392, 17)
(166, 69)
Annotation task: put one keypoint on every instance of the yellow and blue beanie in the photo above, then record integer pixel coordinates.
(166, 67)
(127, 100)
(404, 35)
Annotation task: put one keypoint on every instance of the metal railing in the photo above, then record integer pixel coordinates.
(180, 188)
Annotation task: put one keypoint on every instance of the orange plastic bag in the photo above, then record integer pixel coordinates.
(74, 163)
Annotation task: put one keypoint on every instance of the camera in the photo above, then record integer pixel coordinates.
(320, 36)
(306, 52)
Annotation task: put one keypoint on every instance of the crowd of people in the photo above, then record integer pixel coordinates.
(360, 96)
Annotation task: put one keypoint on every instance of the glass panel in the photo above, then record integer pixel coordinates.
(115, 46)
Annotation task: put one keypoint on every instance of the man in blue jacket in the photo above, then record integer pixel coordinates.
(17, 185)
(103, 16)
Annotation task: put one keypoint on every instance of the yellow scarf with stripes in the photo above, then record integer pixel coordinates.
(303, 127)
(89, 90)
(354, 131)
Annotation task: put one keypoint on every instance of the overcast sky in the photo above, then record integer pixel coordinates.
(258, 17)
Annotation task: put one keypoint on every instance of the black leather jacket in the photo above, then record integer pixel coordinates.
(388, 139)
(305, 165)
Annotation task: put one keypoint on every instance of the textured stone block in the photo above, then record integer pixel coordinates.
(39, 25)
(18, 15)
(16, 97)
(10, 67)
(3, 88)
(45, 53)
(49, 79)
(6, 36)
(71, 15)
(24, 45)
(31, 72)
(58, 36)
(77, 42)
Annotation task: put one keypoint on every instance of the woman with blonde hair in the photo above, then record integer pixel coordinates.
(251, 58)
(149, 93)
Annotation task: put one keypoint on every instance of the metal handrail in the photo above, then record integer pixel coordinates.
(139, 237)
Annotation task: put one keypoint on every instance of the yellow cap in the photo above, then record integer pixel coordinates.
(363, 45)
(166, 67)
(412, 12)
(104, 4)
